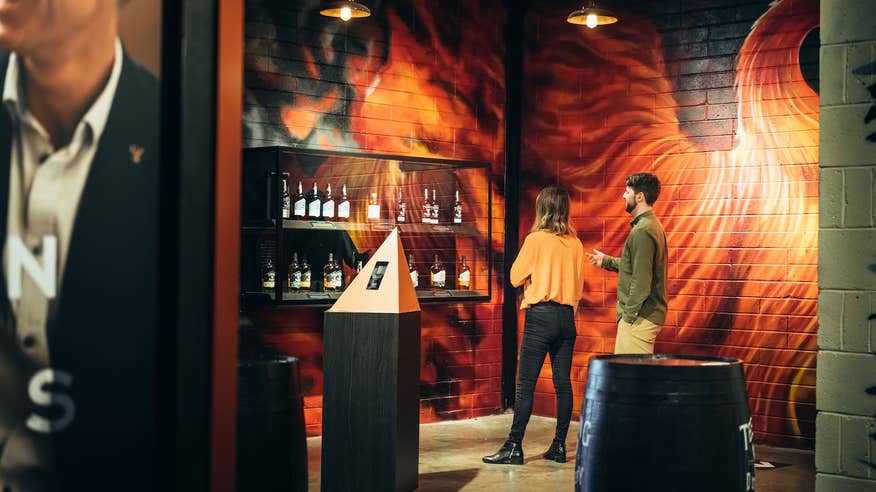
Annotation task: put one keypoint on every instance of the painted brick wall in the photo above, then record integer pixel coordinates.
(845, 452)
(718, 98)
(417, 78)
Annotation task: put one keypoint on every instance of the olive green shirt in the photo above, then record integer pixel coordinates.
(641, 279)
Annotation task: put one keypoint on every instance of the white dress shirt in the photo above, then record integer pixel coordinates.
(45, 187)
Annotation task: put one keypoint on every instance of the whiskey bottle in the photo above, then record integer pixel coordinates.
(401, 209)
(314, 204)
(457, 210)
(305, 273)
(415, 275)
(294, 283)
(435, 208)
(328, 206)
(463, 280)
(373, 207)
(332, 275)
(427, 207)
(344, 205)
(299, 204)
(285, 197)
(437, 275)
(269, 274)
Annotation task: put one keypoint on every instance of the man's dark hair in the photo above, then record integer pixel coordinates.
(646, 183)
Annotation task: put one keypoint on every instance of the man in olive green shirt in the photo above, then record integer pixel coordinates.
(641, 281)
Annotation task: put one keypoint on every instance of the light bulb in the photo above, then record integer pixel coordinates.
(346, 13)
(591, 20)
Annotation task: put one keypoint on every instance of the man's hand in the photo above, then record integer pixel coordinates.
(596, 257)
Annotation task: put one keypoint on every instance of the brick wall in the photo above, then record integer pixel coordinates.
(417, 78)
(718, 98)
(845, 453)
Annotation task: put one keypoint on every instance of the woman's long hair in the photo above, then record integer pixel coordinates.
(552, 211)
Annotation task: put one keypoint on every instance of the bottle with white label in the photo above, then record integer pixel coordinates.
(333, 275)
(401, 209)
(328, 206)
(435, 208)
(294, 283)
(415, 275)
(285, 197)
(463, 280)
(373, 207)
(299, 204)
(314, 204)
(427, 207)
(305, 273)
(437, 274)
(457, 210)
(269, 275)
(344, 205)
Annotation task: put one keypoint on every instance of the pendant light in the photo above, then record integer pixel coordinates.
(345, 10)
(591, 16)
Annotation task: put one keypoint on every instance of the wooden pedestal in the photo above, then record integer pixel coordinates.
(370, 423)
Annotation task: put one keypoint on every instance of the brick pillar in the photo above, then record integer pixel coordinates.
(845, 444)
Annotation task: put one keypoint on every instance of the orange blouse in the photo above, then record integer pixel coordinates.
(550, 268)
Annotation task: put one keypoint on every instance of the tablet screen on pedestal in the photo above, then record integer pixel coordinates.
(377, 275)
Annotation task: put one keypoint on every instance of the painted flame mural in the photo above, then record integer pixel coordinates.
(407, 81)
(733, 138)
(739, 203)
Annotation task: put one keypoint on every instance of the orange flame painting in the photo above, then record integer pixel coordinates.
(732, 135)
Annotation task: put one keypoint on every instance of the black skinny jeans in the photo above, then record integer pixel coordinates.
(549, 328)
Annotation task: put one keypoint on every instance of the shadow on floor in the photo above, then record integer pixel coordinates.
(447, 481)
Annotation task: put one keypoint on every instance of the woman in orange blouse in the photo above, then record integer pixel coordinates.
(550, 267)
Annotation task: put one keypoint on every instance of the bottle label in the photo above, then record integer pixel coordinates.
(402, 212)
(427, 214)
(336, 278)
(313, 208)
(333, 279)
(344, 209)
(439, 278)
(305, 280)
(457, 214)
(287, 206)
(373, 211)
(328, 209)
(465, 277)
(295, 280)
(415, 278)
(299, 208)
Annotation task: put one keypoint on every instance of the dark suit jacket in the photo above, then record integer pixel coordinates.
(105, 329)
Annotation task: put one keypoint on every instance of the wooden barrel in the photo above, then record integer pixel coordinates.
(271, 438)
(664, 423)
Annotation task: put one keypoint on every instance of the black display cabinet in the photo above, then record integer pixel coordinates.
(272, 232)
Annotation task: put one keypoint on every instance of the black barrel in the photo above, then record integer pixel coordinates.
(271, 439)
(664, 423)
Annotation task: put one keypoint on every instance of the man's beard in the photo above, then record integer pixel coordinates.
(630, 207)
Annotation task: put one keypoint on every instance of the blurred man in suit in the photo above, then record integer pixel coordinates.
(79, 209)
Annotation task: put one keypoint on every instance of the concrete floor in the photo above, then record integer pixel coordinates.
(450, 459)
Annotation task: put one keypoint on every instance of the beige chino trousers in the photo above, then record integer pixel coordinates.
(636, 338)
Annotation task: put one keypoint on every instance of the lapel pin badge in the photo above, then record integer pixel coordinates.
(136, 153)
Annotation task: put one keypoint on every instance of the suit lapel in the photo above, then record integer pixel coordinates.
(5, 154)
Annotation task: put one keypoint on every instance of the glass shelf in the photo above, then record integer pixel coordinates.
(370, 226)
(328, 298)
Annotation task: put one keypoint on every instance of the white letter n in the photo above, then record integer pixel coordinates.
(20, 258)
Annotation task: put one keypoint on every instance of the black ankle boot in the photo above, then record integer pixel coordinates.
(556, 452)
(510, 453)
